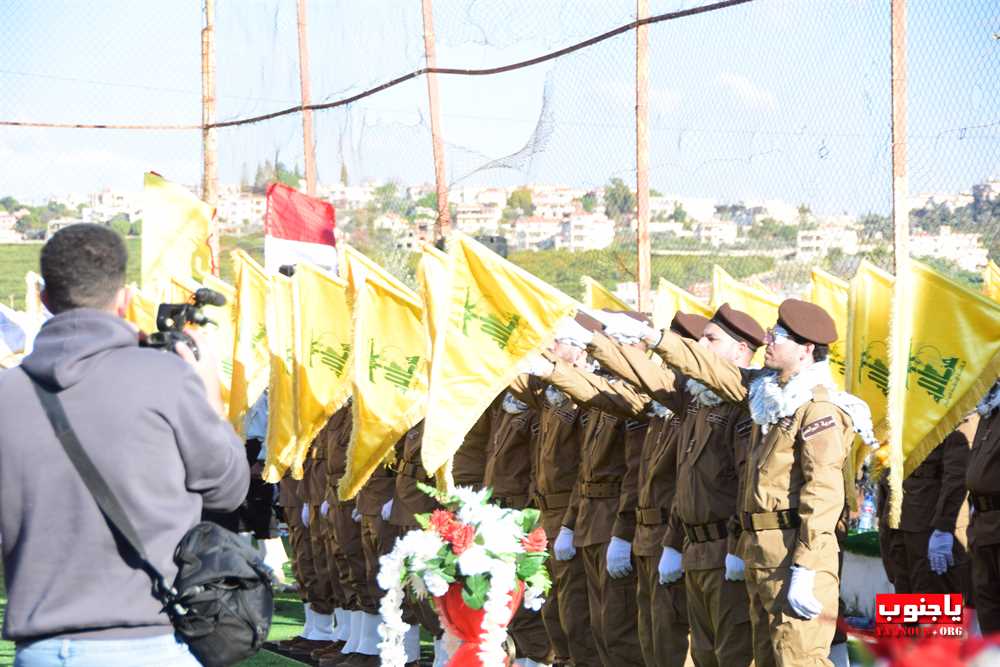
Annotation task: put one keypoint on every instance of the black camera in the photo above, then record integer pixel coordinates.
(171, 318)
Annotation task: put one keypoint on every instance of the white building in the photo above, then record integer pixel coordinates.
(241, 209)
(350, 197)
(588, 232)
(815, 243)
(8, 232)
(536, 233)
(478, 218)
(717, 232)
(966, 250)
(696, 208)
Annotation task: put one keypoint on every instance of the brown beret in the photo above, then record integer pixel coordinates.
(807, 321)
(587, 322)
(739, 325)
(641, 317)
(688, 325)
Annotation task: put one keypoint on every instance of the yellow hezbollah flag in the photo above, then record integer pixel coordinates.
(596, 295)
(670, 299)
(991, 280)
(833, 295)
(220, 332)
(389, 369)
(870, 307)
(954, 359)
(498, 314)
(324, 348)
(760, 305)
(175, 235)
(251, 362)
(141, 310)
(282, 420)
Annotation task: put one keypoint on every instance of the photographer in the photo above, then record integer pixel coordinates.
(151, 423)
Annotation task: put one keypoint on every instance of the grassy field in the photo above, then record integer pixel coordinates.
(288, 620)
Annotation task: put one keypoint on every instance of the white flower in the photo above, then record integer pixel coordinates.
(475, 561)
(436, 584)
(533, 599)
(392, 628)
(417, 584)
(389, 571)
(502, 534)
(497, 616)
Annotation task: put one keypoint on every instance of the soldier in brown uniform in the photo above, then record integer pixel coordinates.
(663, 615)
(556, 462)
(508, 473)
(793, 488)
(710, 456)
(469, 464)
(983, 482)
(603, 505)
(928, 553)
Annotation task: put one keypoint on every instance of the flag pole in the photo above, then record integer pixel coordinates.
(443, 224)
(643, 259)
(308, 139)
(209, 142)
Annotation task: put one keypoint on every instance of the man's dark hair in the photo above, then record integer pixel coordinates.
(820, 352)
(83, 266)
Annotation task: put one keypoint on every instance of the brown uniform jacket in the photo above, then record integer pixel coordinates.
(604, 500)
(333, 441)
(381, 485)
(934, 494)
(470, 459)
(798, 464)
(555, 451)
(983, 478)
(710, 448)
(508, 461)
(408, 499)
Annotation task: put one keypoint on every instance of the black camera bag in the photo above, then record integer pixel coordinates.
(221, 602)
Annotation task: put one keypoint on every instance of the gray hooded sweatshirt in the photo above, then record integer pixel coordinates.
(143, 417)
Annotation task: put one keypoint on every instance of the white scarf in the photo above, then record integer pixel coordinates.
(702, 395)
(770, 402)
(990, 402)
(512, 406)
(658, 410)
(554, 396)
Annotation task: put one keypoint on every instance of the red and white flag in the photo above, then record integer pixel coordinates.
(298, 228)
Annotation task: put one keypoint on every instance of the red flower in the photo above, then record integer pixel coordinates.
(441, 521)
(461, 537)
(534, 541)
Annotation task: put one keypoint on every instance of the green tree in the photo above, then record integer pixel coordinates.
(9, 204)
(653, 192)
(120, 224)
(589, 202)
(618, 199)
(137, 227)
(343, 174)
(679, 214)
(520, 200)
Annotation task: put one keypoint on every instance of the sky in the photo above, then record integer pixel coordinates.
(776, 99)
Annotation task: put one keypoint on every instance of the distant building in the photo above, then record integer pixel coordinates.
(537, 233)
(966, 250)
(815, 243)
(717, 232)
(588, 232)
(238, 210)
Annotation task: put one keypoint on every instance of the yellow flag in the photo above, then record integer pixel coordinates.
(221, 331)
(596, 295)
(833, 295)
(141, 310)
(669, 299)
(760, 305)
(759, 285)
(991, 280)
(954, 359)
(389, 369)
(251, 362)
(870, 307)
(282, 420)
(323, 344)
(175, 235)
(497, 315)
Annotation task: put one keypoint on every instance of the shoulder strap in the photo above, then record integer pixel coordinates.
(96, 484)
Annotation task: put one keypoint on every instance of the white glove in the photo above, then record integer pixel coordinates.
(939, 551)
(670, 566)
(651, 335)
(387, 509)
(537, 365)
(734, 568)
(324, 509)
(800, 593)
(563, 547)
(622, 326)
(305, 515)
(619, 558)
(356, 515)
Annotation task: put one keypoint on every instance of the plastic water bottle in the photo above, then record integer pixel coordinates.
(866, 520)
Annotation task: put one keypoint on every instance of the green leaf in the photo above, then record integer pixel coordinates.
(528, 565)
(475, 590)
(529, 519)
(423, 520)
(540, 580)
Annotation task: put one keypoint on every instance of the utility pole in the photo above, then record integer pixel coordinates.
(209, 142)
(643, 253)
(899, 360)
(443, 225)
(309, 147)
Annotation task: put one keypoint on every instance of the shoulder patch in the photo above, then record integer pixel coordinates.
(635, 424)
(813, 429)
(744, 427)
(716, 418)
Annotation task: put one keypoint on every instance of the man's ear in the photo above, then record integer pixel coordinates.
(122, 300)
(44, 296)
(808, 347)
